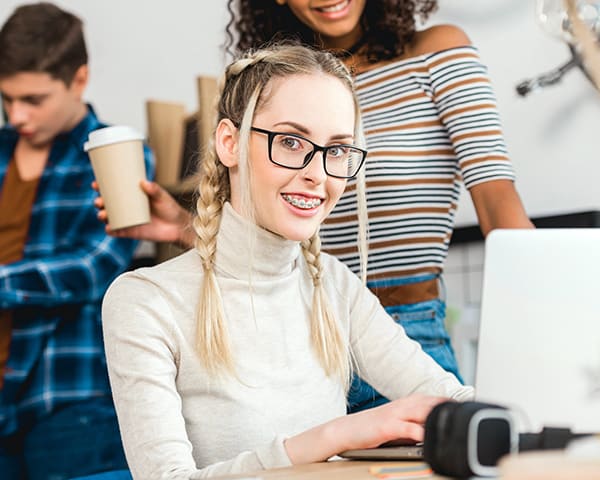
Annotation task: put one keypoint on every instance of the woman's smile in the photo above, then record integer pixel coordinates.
(336, 8)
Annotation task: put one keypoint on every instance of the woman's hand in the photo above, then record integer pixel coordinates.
(403, 418)
(169, 222)
(400, 419)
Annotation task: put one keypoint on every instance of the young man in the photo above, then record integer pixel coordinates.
(57, 419)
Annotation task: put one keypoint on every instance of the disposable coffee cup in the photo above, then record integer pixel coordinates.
(117, 156)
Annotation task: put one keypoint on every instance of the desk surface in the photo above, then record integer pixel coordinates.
(547, 465)
(333, 470)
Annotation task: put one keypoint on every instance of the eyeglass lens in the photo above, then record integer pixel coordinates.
(294, 152)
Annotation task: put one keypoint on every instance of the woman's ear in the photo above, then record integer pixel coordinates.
(226, 143)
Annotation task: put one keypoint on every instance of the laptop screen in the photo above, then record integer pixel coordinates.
(539, 339)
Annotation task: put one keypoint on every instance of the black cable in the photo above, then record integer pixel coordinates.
(550, 438)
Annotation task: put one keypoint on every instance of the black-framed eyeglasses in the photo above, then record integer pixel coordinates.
(294, 151)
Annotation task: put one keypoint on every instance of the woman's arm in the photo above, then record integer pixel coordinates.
(141, 355)
(498, 205)
(383, 354)
(403, 418)
(145, 350)
(467, 106)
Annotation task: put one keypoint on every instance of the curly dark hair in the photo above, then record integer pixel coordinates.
(388, 25)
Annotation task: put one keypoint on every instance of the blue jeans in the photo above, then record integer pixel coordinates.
(79, 439)
(423, 322)
(112, 475)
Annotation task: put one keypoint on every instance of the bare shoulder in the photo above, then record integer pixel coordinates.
(438, 38)
(431, 40)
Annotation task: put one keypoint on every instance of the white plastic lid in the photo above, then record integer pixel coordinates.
(109, 135)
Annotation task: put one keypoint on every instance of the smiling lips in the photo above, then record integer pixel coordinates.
(303, 203)
(334, 8)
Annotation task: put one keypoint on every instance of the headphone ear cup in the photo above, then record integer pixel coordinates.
(446, 442)
(438, 434)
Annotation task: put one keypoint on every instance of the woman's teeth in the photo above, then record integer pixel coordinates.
(301, 202)
(334, 8)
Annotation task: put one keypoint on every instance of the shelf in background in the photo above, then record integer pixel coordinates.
(586, 219)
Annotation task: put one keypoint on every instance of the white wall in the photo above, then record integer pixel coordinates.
(155, 49)
(145, 49)
(552, 135)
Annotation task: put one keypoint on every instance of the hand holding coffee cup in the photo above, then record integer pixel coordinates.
(117, 156)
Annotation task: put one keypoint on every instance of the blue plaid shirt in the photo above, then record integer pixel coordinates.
(55, 292)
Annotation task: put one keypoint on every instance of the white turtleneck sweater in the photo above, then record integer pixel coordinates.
(178, 423)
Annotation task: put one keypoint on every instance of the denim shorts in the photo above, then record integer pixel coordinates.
(423, 322)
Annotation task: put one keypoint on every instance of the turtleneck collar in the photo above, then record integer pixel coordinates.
(245, 249)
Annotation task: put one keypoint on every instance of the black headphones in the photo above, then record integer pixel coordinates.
(466, 439)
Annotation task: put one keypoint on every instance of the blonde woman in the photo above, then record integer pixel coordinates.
(237, 355)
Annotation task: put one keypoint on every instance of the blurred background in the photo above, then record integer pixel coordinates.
(155, 50)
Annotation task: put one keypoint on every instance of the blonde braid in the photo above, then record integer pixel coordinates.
(212, 338)
(251, 58)
(326, 338)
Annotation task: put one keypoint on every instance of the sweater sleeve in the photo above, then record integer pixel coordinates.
(142, 356)
(271, 455)
(392, 362)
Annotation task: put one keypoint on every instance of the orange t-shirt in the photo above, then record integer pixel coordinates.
(16, 201)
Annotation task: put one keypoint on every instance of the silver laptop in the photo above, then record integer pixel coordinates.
(539, 340)
(389, 451)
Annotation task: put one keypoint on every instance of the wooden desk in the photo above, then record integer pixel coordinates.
(547, 465)
(333, 470)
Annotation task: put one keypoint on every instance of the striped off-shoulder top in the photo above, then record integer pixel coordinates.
(431, 122)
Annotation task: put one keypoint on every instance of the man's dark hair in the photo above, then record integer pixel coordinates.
(42, 38)
(388, 25)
